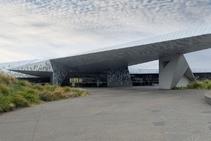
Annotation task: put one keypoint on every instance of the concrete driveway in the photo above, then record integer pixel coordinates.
(120, 114)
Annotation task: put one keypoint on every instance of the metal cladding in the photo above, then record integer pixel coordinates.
(40, 68)
(119, 78)
(116, 58)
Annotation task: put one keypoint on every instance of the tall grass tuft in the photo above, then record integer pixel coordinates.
(6, 79)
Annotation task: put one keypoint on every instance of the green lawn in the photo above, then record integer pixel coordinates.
(18, 94)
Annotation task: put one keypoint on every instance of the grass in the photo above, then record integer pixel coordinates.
(18, 93)
(205, 84)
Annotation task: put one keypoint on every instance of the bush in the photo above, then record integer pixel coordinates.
(50, 87)
(206, 84)
(67, 89)
(46, 96)
(23, 83)
(4, 90)
(20, 101)
(6, 104)
(78, 92)
(30, 95)
(60, 93)
(38, 87)
(6, 79)
(18, 93)
(57, 94)
(209, 87)
(196, 85)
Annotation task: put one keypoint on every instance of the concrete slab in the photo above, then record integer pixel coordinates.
(114, 114)
(208, 97)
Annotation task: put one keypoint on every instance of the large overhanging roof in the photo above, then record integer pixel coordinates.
(142, 51)
(132, 53)
(192, 32)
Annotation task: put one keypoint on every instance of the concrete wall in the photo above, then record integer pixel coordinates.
(174, 71)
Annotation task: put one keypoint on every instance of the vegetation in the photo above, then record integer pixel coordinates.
(205, 84)
(18, 93)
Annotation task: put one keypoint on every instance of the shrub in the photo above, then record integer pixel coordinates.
(57, 94)
(45, 96)
(209, 86)
(6, 79)
(30, 95)
(38, 87)
(196, 85)
(20, 101)
(49, 87)
(78, 92)
(206, 84)
(18, 93)
(4, 90)
(61, 93)
(23, 83)
(6, 104)
(67, 89)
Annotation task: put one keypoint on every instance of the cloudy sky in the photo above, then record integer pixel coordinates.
(39, 29)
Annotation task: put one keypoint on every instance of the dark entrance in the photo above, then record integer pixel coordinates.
(88, 80)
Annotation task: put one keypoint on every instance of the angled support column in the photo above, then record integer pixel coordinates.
(119, 78)
(174, 72)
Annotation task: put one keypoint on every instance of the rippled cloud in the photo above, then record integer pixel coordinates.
(34, 29)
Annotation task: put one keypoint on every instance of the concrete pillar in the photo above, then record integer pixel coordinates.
(119, 78)
(174, 72)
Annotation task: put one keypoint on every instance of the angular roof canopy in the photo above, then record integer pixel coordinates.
(127, 54)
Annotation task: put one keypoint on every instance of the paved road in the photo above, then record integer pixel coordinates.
(123, 114)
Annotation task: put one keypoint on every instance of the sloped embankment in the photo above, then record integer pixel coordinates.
(18, 94)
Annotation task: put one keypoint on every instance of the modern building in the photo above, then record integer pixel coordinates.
(109, 67)
(150, 77)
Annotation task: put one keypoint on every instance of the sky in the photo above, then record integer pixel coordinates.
(40, 29)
